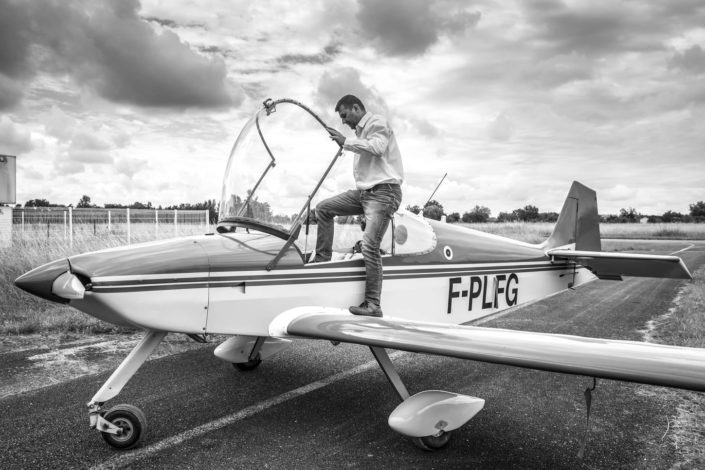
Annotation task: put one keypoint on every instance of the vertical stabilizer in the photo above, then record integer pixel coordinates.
(578, 221)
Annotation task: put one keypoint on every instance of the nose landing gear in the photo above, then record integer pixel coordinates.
(131, 424)
(123, 426)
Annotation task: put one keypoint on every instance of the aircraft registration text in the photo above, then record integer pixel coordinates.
(483, 292)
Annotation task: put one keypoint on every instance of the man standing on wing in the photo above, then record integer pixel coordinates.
(378, 173)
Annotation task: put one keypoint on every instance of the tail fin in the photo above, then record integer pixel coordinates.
(578, 222)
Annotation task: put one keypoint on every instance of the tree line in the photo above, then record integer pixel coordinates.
(431, 210)
(530, 213)
(85, 203)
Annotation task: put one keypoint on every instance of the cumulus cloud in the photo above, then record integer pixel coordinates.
(31, 173)
(336, 83)
(608, 28)
(569, 29)
(691, 60)
(327, 55)
(618, 194)
(85, 148)
(121, 138)
(294, 59)
(13, 139)
(559, 69)
(129, 166)
(89, 141)
(501, 129)
(410, 27)
(424, 127)
(107, 48)
(10, 92)
(15, 38)
(90, 156)
(59, 124)
(14, 49)
(64, 166)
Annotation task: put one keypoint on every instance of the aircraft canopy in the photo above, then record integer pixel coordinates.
(282, 164)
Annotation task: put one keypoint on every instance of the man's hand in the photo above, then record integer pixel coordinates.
(336, 135)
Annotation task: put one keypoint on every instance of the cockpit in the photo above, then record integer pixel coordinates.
(281, 165)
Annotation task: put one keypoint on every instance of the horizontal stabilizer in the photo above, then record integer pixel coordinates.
(614, 265)
(648, 363)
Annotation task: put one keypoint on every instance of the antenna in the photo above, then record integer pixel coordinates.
(434, 191)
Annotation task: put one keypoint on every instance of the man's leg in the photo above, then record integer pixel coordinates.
(379, 206)
(347, 203)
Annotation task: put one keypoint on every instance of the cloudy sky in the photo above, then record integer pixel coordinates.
(141, 100)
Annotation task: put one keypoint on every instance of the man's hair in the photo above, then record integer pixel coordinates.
(348, 101)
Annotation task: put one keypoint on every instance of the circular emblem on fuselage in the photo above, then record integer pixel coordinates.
(448, 252)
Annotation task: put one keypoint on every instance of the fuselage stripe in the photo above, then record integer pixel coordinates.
(359, 275)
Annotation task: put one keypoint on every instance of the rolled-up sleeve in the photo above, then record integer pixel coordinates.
(374, 143)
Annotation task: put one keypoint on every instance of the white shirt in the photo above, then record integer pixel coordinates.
(377, 156)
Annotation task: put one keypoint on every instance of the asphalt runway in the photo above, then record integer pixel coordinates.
(322, 406)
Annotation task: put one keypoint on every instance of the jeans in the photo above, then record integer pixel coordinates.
(378, 204)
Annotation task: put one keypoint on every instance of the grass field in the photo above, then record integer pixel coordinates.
(538, 232)
(685, 325)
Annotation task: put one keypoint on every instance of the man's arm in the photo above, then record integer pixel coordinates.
(374, 143)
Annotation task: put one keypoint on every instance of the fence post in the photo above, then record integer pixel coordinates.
(22, 220)
(176, 225)
(70, 227)
(156, 223)
(128, 225)
(206, 222)
(108, 223)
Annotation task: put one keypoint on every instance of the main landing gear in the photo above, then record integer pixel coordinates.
(247, 352)
(251, 364)
(429, 417)
(123, 426)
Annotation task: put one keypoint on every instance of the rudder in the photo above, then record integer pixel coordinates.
(578, 221)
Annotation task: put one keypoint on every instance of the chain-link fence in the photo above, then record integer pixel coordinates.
(126, 225)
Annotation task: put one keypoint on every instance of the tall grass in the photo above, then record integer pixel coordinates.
(522, 231)
(23, 313)
(537, 232)
(676, 231)
(685, 326)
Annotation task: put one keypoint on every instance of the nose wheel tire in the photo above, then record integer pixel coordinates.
(132, 424)
(433, 443)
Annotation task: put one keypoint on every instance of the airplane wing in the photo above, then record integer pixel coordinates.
(615, 265)
(631, 361)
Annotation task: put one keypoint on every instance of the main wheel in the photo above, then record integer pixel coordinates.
(131, 422)
(252, 364)
(432, 443)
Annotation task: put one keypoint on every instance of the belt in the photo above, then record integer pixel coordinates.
(382, 185)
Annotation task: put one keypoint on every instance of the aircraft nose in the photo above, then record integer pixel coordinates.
(39, 281)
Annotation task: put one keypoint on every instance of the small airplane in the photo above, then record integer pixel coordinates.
(252, 281)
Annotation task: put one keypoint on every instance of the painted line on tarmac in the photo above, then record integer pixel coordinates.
(132, 456)
(684, 249)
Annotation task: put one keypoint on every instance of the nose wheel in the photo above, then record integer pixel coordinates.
(132, 426)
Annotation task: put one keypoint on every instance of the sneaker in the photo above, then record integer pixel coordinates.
(367, 309)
